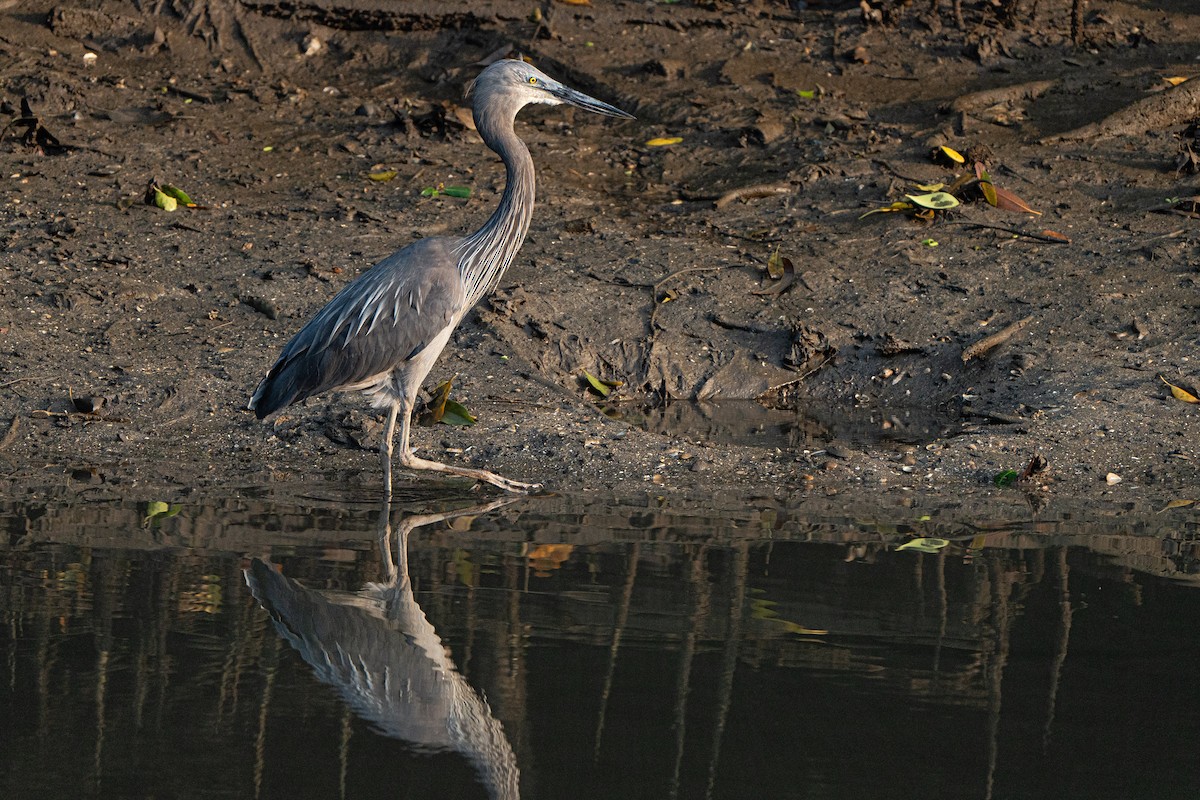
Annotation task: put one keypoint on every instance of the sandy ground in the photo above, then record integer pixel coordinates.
(272, 116)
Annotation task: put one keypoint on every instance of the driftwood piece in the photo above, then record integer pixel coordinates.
(995, 340)
(977, 101)
(1173, 106)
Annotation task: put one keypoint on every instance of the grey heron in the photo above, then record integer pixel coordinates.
(383, 332)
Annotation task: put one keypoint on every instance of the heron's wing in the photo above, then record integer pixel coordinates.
(386, 317)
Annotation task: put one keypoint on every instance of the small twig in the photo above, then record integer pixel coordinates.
(1041, 237)
(752, 192)
(995, 340)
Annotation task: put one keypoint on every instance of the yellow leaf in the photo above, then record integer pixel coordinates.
(576, 2)
(930, 187)
(381, 177)
(663, 141)
(1175, 81)
(1180, 394)
(1179, 504)
(938, 200)
(953, 154)
(899, 205)
(777, 265)
(989, 192)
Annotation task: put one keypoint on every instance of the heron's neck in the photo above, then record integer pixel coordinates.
(485, 255)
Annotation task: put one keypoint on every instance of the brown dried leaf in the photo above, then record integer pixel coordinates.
(1007, 201)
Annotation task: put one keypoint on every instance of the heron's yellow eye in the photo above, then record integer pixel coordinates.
(533, 79)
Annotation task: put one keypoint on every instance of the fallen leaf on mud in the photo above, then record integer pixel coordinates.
(949, 154)
(456, 414)
(930, 187)
(1177, 504)
(1007, 201)
(777, 265)
(601, 387)
(1175, 80)
(924, 545)
(449, 191)
(929, 242)
(179, 194)
(664, 141)
(382, 177)
(782, 271)
(576, 2)
(164, 200)
(1056, 235)
(989, 192)
(1006, 478)
(807, 94)
(935, 200)
(1180, 394)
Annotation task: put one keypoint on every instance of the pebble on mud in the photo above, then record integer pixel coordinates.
(1112, 479)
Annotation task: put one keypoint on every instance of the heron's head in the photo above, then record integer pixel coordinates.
(508, 85)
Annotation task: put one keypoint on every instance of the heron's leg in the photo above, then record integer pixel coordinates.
(385, 448)
(411, 461)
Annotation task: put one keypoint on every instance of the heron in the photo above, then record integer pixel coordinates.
(382, 333)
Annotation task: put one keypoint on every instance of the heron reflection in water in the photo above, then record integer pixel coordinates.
(377, 648)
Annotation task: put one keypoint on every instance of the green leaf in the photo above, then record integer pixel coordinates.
(457, 191)
(807, 94)
(164, 200)
(429, 191)
(179, 194)
(1006, 478)
(935, 200)
(925, 545)
(158, 510)
(600, 387)
(456, 414)
(929, 242)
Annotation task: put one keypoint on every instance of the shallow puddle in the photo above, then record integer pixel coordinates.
(559, 648)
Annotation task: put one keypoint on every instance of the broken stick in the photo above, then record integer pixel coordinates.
(995, 340)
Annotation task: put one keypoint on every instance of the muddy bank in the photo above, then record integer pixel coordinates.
(272, 117)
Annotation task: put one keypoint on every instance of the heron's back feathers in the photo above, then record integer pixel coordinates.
(372, 327)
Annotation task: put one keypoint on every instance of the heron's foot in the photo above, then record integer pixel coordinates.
(411, 461)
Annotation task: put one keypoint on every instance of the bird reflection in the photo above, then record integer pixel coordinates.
(385, 658)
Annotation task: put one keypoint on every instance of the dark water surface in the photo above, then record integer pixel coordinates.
(560, 648)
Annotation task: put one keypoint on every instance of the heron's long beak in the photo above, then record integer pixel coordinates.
(589, 103)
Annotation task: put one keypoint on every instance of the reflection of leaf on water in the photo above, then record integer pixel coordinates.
(545, 558)
(157, 510)
(763, 609)
(465, 569)
(924, 545)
